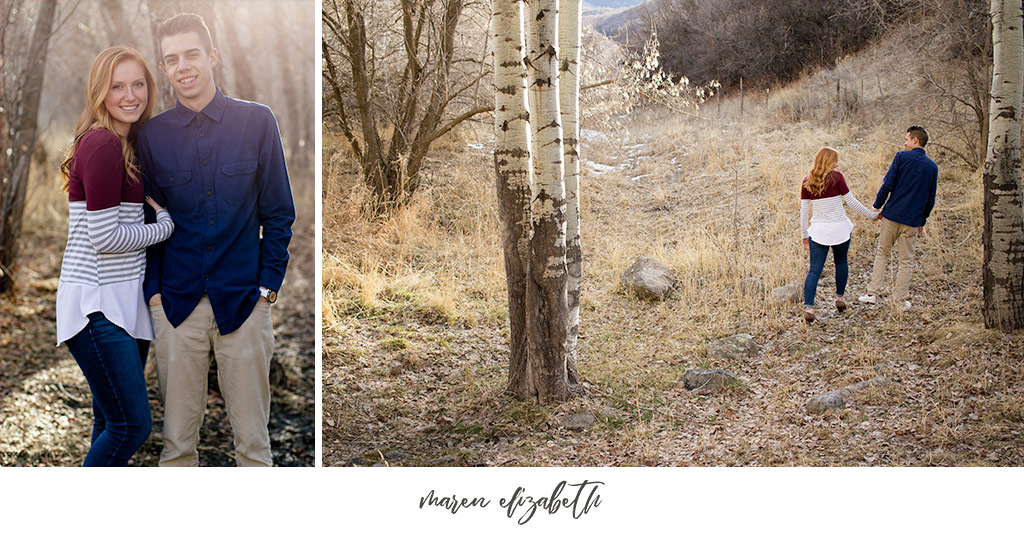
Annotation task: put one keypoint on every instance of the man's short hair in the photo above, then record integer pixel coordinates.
(919, 134)
(185, 23)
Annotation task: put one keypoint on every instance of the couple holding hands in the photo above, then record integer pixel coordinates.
(178, 230)
(903, 203)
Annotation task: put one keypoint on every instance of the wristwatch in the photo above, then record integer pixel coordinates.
(268, 294)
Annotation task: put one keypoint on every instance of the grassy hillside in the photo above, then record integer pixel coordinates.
(415, 328)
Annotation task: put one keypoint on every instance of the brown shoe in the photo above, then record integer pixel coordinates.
(809, 315)
(840, 304)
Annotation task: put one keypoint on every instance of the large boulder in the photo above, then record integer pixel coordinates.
(648, 278)
(709, 380)
(733, 348)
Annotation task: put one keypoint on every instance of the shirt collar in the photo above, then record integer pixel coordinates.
(921, 149)
(213, 110)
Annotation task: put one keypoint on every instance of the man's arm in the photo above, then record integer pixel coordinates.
(930, 203)
(888, 183)
(154, 253)
(276, 210)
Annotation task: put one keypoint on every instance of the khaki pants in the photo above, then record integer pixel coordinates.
(183, 357)
(904, 238)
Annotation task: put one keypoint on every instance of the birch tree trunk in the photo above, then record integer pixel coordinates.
(570, 22)
(547, 311)
(1003, 268)
(512, 167)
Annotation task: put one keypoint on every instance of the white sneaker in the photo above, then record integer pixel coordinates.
(867, 299)
(906, 305)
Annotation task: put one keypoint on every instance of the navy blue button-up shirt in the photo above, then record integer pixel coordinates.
(908, 189)
(221, 175)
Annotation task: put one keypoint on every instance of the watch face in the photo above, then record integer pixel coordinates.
(272, 297)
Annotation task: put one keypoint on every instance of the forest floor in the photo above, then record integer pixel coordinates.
(45, 404)
(415, 332)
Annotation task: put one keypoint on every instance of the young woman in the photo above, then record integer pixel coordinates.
(823, 192)
(101, 315)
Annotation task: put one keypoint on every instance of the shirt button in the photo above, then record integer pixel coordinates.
(205, 162)
(209, 248)
(209, 192)
(202, 135)
(211, 221)
(171, 179)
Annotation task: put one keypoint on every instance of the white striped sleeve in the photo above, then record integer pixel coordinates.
(805, 207)
(856, 205)
(108, 237)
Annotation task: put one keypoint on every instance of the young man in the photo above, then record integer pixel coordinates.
(218, 166)
(908, 196)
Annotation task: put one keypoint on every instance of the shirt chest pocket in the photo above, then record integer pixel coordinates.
(238, 182)
(177, 186)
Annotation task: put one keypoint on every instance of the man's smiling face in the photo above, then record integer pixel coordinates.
(189, 69)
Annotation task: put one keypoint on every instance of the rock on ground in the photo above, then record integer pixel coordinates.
(578, 421)
(648, 278)
(733, 348)
(791, 292)
(752, 287)
(837, 398)
(708, 380)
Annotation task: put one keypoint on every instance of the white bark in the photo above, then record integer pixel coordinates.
(1003, 269)
(513, 169)
(546, 295)
(569, 25)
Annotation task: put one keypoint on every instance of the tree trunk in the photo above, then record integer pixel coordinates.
(1003, 268)
(159, 12)
(245, 85)
(569, 98)
(547, 309)
(23, 135)
(512, 167)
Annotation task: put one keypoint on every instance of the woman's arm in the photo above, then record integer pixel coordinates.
(101, 169)
(852, 202)
(805, 207)
(109, 237)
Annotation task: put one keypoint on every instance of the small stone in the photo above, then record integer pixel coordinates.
(648, 278)
(733, 348)
(708, 380)
(578, 421)
(397, 456)
(330, 422)
(876, 381)
(397, 368)
(357, 461)
(829, 400)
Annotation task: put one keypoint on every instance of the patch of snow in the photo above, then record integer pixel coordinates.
(599, 168)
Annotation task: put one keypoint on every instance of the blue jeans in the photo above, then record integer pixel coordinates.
(818, 254)
(113, 362)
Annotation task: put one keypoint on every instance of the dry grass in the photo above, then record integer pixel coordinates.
(716, 200)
